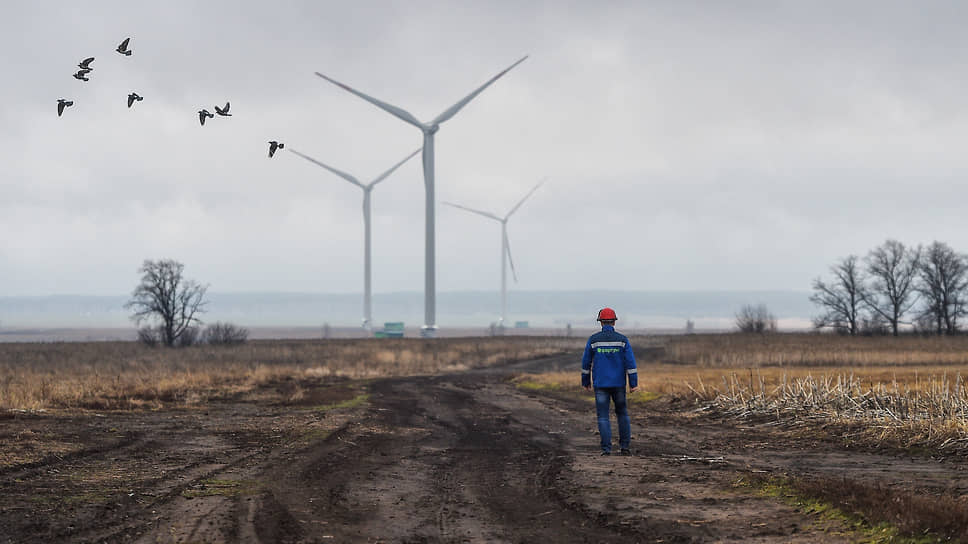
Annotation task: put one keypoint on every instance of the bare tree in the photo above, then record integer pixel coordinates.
(893, 270)
(166, 301)
(756, 319)
(943, 284)
(841, 299)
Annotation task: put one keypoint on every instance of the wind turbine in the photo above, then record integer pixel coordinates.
(429, 129)
(367, 189)
(505, 246)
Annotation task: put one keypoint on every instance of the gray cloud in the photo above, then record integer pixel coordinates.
(688, 145)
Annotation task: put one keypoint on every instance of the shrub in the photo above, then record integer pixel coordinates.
(756, 319)
(189, 337)
(225, 334)
(149, 336)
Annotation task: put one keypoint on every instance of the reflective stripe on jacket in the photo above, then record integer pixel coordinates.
(608, 360)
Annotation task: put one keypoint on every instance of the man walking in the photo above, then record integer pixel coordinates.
(607, 360)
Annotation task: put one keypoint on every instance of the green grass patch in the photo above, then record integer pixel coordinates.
(221, 488)
(559, 387)
(643, 396)
(866, 532)
(62, 500)
(358, 400)
(552, 388)
(315, 435)
(531, 385)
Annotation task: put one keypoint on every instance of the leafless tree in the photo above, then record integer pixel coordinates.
(756, 319)
(841, 299)
(893, 270)
(166, 301)
(943, 285)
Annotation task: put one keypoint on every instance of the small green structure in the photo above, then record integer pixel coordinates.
(391, 329)
(520, 324)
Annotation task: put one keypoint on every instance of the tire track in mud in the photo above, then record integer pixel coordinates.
(119, 489)
(468, 458)
(436, 463)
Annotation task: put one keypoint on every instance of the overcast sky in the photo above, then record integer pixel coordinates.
(708, 145)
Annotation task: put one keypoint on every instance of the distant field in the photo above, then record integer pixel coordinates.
(123, 375)
(261, 333)
(740, 350)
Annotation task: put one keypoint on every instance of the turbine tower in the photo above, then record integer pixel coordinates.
(367, 189)
(505, 246)
(429, 129)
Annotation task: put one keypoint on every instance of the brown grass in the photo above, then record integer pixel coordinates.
(673, 379)
(755, 350)
(126, 375)
(906, 392)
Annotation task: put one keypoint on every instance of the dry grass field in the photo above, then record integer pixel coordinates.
(127, 375)
(905, 392)
(776, 438)
(794, 350)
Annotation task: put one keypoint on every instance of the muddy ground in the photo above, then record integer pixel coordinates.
(466, 457)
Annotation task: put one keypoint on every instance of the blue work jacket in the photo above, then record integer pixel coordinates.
(608, 359)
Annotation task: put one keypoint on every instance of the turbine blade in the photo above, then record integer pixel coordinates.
(531, 192)
(339, 173)
(452, 111)
(507, 244)
(384, 175)
(472, 210)
(400, 113)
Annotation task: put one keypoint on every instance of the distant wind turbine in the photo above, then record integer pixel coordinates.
(367, 189)
(429, 129)
(505, 246)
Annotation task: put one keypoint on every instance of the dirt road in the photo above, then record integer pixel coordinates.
(459, 458)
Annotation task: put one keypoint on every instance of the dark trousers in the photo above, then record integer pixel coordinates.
(603, 397)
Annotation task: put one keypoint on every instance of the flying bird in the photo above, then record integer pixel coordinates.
(123, 48)
(202, 114)
(133, 97)
(82, 75)
(86, 64)
(61, 104)
(223, 111)
(274, 145)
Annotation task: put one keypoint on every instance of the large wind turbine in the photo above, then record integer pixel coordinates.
(367, 189)
(429, 129)
(505, 246)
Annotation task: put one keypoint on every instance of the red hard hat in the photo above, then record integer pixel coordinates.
(607, 314)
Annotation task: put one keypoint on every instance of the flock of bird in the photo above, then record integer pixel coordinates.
(205, 114)
(85, 69)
